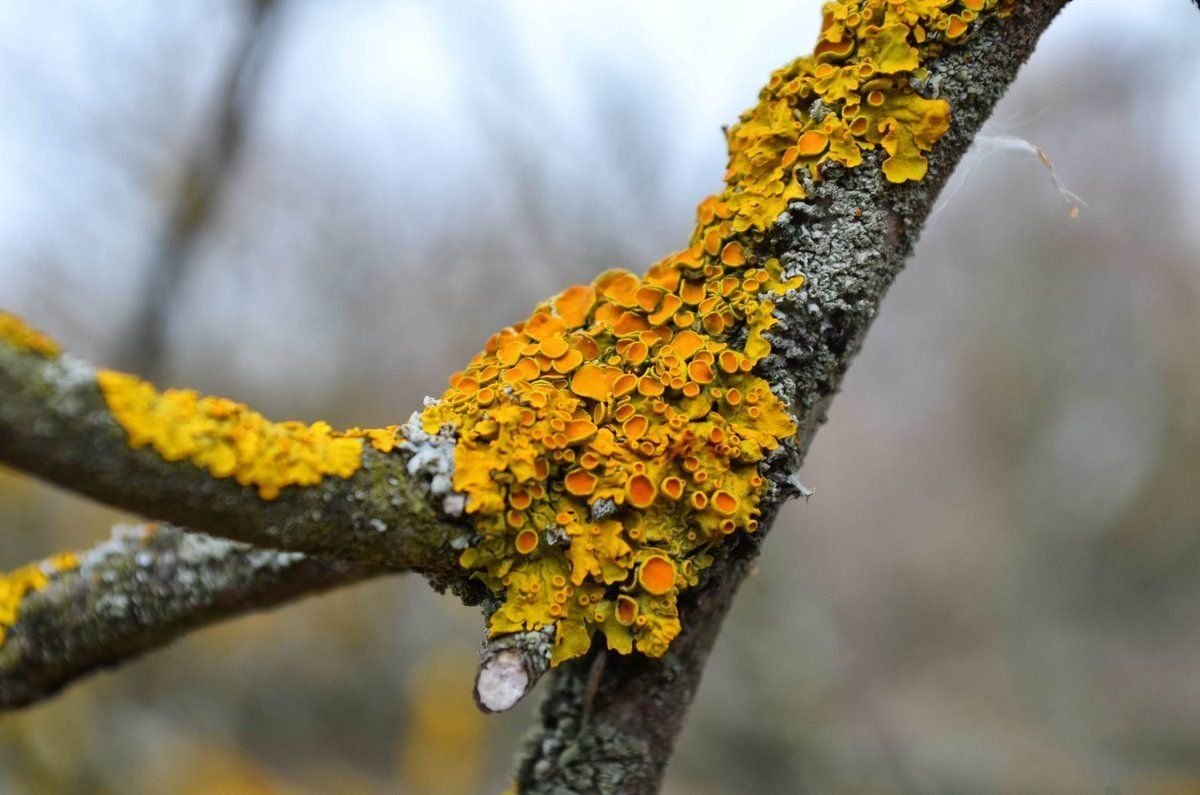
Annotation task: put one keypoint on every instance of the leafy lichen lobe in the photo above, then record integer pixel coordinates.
(20, 336)
(605, 444)
(18, 584)
(232, 441)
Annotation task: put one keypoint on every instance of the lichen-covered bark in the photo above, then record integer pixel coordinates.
(850, 236)
(55, 423)
(139, 590)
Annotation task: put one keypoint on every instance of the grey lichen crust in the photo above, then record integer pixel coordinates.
(574, 752)
(431, 460)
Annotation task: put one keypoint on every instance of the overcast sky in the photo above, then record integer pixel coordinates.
(407, 97)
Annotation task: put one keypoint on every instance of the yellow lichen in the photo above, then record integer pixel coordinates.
(18, 584)
(382, 439)
(606, 443)
(17, 334)
(232, 441)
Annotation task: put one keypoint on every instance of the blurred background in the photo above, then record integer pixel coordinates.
(325, 208)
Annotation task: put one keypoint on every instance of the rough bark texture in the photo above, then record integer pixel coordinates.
(140, 590)
(381, 514)
(850, 237)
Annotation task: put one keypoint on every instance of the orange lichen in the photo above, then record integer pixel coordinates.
(627, 610)
(724, 502)
(580, 482)
(640, 491)
(527, 541)
(624, 424)
(657, 575)
(232, 441)
(382, 439)
(17, 334)
(590, 381)
(811, 143)
(673, 487)
(862, 70)
(18, 584)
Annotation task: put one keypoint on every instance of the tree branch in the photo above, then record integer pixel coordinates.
(202, 185)
(55, 423)
(850, 237)
(138, 591)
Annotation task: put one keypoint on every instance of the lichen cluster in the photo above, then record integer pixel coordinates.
(605, 444)
(856, 92)
(19, 336)
(232, 441)
(18, 584)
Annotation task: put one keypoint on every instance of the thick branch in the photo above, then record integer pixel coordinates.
(850, 237)
(54, 423)
(138, 591)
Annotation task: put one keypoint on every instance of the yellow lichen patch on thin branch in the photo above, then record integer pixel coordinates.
(608, 442)
(232, 441)
(383, 439)
(18, 335)
(224, 437)
(853, 94)
(18, 584)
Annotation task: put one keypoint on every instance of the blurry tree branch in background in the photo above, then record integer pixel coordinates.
(204, 179)
(609, 722)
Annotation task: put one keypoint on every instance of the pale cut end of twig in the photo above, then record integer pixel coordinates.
(509, 667)
(502, 682)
